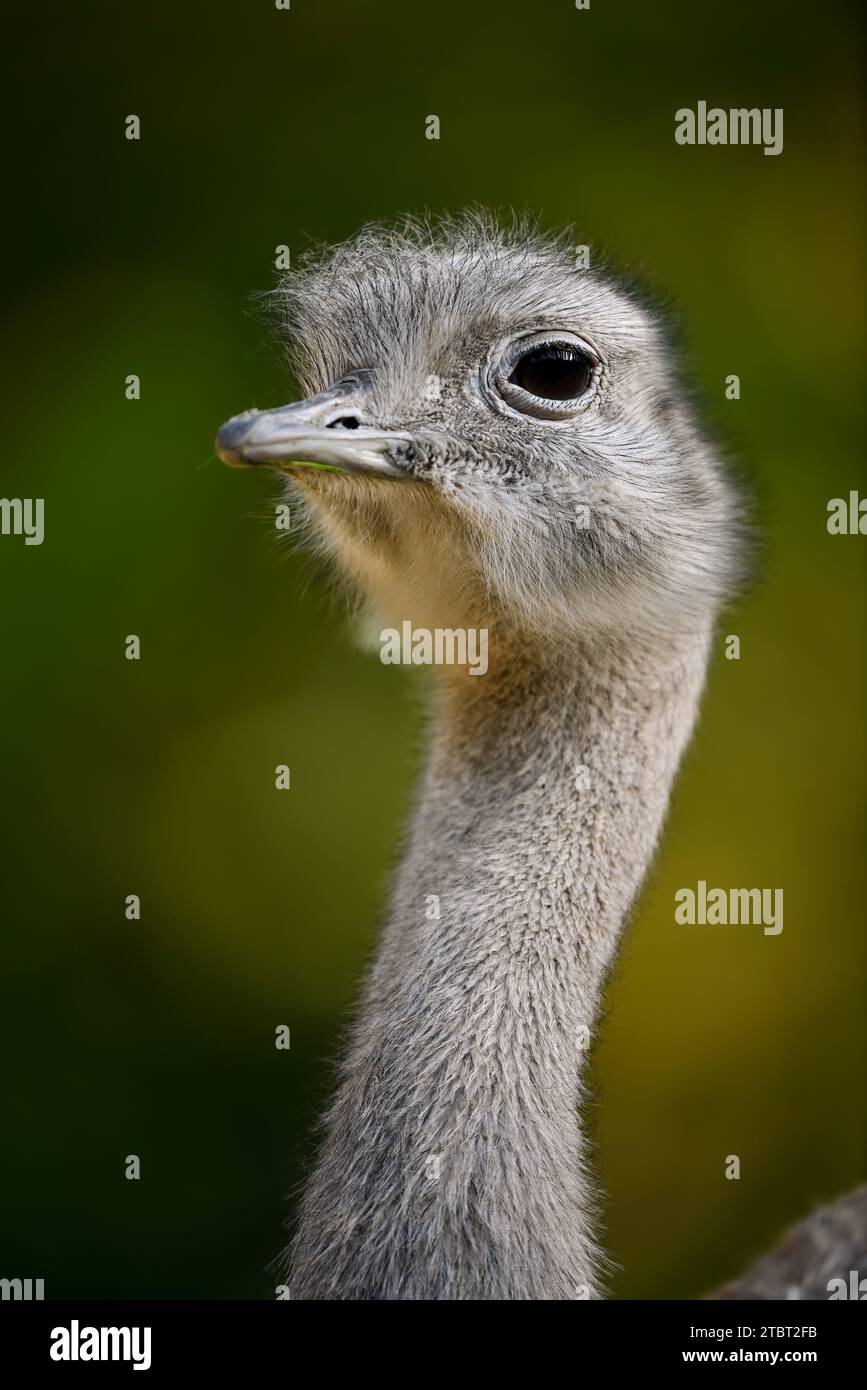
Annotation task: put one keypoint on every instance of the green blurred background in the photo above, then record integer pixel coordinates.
(155, 777)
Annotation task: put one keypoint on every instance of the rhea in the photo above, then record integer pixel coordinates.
(493, 437)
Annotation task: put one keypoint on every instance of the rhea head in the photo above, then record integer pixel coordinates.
(492, 432)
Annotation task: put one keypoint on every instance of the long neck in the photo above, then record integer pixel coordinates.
(453, 1164)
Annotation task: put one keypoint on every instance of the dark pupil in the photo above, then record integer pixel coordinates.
(554, 373)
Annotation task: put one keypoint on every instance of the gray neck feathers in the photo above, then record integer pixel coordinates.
(453, 1165)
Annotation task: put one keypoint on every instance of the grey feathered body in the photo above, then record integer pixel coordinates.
(830, 1245)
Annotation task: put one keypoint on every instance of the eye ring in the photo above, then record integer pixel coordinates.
(559, 364)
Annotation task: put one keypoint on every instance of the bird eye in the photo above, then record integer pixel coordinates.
(550, 377)
(553, 372)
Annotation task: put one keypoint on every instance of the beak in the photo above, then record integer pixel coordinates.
(322, 432)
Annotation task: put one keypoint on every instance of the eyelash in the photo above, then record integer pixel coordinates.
(554, 353)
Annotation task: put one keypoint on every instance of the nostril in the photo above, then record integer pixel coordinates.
(345, 422)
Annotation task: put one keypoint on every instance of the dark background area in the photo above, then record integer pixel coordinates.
(156, 777)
